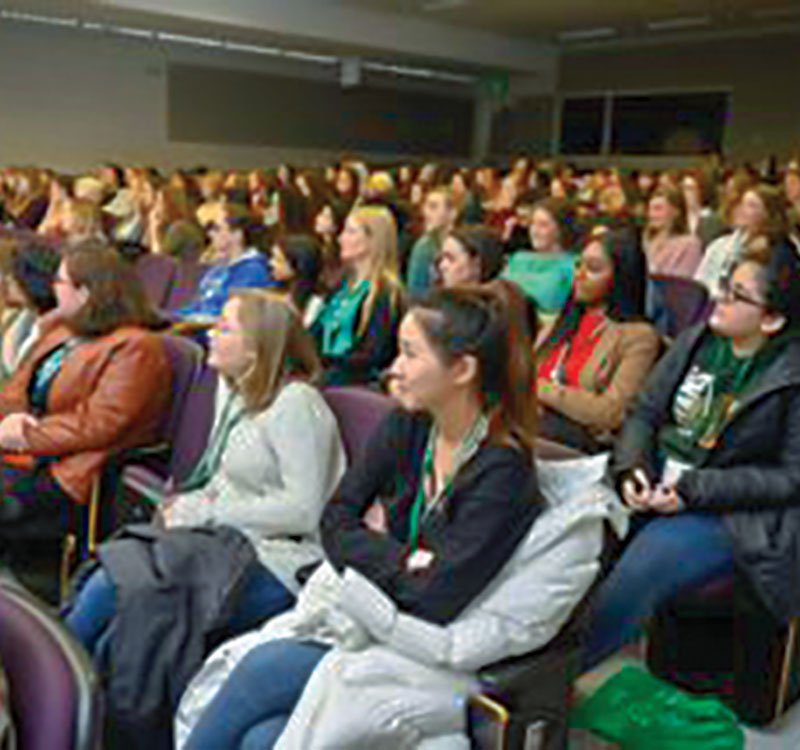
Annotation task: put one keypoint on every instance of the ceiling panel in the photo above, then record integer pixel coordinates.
(548, 18)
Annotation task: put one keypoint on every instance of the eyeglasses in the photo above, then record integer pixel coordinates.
(729, 292)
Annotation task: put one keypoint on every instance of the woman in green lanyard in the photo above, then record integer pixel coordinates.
(435, 509)
(708, 459)
(356, 330)
(273, 459)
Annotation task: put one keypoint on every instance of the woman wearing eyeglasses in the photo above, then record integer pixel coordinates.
(600, 349)
(709, 460)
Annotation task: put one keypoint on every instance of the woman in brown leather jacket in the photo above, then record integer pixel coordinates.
(97, 382)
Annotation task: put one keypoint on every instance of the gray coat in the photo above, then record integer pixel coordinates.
(173, 591)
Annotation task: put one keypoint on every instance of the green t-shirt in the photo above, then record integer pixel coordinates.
(707, 396)
(546, 277)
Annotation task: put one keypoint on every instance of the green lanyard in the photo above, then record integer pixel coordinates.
(232, 413)
(466, 450)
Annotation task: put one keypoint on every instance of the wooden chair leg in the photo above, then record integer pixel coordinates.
(68, 549)
(786, 668)
(70, 553)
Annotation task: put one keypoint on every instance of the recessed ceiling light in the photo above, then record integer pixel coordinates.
(684, 22)
(584, 34)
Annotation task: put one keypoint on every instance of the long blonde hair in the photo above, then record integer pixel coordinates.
(380, 229)
(281, 347)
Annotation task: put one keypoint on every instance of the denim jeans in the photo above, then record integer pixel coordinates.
(665, 555)
(252, 707)
(262, 596)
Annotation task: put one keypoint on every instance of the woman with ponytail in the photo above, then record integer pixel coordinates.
(600, 349)
(424, 523)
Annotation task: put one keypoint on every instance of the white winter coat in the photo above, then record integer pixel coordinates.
(394, 681)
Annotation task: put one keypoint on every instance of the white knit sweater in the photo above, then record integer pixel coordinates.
(278, 470)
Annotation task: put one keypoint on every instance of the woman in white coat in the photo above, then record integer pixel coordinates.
(273, 459)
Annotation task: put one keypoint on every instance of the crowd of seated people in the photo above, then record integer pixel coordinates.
(493, 305)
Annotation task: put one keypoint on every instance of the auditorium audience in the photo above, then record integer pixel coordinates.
(701, 220)
(704, 454)
(707, 461)
(429, 516)
(296, 264)
(470, 255)
(96, 382)
(273, 459)
(439, 214)
(668, 246)
(356, 329)
(759, 211)
(545, 271)
(600, 350)
(29, 271)
(237, 264)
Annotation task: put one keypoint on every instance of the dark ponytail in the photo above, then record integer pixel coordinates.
(489, 323)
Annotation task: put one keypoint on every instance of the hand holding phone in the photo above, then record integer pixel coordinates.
(636, 490)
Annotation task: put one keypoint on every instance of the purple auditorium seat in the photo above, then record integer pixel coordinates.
(184, 286)
(158, 275)
(717, 638)
(358, 412)
(54, 693)
(675, 303)
(187, 424)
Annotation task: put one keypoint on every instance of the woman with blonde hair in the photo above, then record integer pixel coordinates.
(273, 459)
(356, 330)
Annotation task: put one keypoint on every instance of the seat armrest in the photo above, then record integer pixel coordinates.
(552, 451)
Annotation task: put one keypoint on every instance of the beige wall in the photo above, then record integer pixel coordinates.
(71, 100)
(762, 74)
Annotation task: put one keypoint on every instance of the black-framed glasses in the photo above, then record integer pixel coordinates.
(729, 292)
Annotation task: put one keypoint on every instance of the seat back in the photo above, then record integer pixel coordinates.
(675, 303)
(187, 279)
(358, 412)
(158, 275)
(54, 692)
(188, 422)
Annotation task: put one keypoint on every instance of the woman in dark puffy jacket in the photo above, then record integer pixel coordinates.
(709, 460)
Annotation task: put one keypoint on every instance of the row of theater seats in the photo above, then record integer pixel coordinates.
(532, 689)
(522, 702)
(170, 284)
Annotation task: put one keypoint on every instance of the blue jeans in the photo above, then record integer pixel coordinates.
(666, 555)
(262, 596)
(251, 709)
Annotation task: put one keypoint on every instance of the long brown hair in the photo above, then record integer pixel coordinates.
(677, 200)
(116, 296)
(484, 321)
(281, 347)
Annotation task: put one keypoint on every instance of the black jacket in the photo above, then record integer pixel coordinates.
(752, 476)
(372, 352)
(174, 589)
(494, 501)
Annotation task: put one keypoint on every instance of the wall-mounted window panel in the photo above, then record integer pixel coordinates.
(689, 123)
(582, 125)
(524, 127)
(225, 106)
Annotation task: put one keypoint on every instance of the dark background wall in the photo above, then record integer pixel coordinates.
(221, 106)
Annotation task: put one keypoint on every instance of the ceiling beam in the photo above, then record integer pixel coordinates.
(388, 33)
